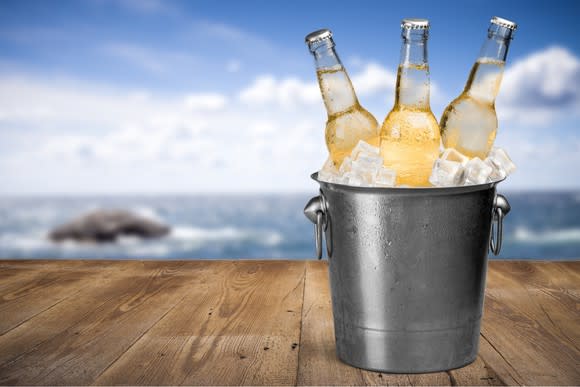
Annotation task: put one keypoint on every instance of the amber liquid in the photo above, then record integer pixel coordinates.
(410, 138)
(469, 123)
(348, 122)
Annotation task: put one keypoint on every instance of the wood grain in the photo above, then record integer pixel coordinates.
(253, 323)
(532, 319)
(239, 325)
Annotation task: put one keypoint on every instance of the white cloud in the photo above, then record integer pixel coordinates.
(205, 101)
(232, 35)
(541, 86)
(64, 103)
(153, 61)
(373, 79)
(87, 137)
(292, 92)
(287, 93)
(544, 160)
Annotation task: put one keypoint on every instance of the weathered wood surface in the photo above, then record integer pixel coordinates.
(253, 323)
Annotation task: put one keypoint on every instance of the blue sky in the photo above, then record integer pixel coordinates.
(157, 96)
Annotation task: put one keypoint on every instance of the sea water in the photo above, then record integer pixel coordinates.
(540, 226)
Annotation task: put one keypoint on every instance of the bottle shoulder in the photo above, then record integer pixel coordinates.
(409, 122)
(409, 115)
(466, 102)
(356, 113)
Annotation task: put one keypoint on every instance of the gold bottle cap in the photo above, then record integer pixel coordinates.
(415, 24)
(504, 23)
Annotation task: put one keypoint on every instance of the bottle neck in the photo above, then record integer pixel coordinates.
(335, 85)
(487, 72)
(413, 73)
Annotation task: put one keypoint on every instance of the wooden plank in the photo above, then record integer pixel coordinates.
(73, 342)
(478, 373)
(318, 363)
(239, 322)
(241, 326)
(35, 291)
(532, 319)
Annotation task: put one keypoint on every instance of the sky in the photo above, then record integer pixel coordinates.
(148, 96)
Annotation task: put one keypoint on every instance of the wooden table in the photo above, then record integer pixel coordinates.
(253, 322)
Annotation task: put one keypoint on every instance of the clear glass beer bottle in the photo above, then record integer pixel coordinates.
(469, 123)
(348, 122)
(410, 137)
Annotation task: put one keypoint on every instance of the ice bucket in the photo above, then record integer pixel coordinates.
(407, 271)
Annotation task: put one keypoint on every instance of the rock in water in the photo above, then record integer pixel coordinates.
(106, 226)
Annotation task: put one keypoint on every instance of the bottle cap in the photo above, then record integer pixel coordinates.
(318, 35)
(415, 24)
(504, 23)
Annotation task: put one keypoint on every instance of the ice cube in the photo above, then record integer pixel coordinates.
(355, 179)
(496, 173)
(325, 176)
(363, 148)
(477, 172)
(502, 161)
(385, 177)
(451, 154)
(367, 166)
(329, 166)
(328, 171)
(446, 173)
(336, 179)
(368, 161)
(346, 166)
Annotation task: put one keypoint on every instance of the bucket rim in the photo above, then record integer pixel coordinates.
(413, 190)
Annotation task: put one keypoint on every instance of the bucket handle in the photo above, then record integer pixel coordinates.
(316, 211)
(501, 207)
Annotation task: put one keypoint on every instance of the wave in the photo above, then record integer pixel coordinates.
(225, 235)
(181, 240)
(148, 213)
(558, 236)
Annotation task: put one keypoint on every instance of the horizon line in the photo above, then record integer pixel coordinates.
(238, 193)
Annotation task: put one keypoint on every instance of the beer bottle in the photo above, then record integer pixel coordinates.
(410, 138)
(348, 122)
(469, 123)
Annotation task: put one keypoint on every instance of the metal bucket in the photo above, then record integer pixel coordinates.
(407, 271)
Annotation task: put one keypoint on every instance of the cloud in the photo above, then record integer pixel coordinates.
(206, 101)
(291, 92)
(232, 35)
(373, 79)
(154, 61)
(540, 87)
(90, 138)
(286, 92)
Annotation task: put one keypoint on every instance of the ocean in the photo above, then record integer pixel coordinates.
(541, 225)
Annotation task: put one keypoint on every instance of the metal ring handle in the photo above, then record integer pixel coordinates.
(318, 234)
(501, 208)
(315, 211)
(496, 237)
